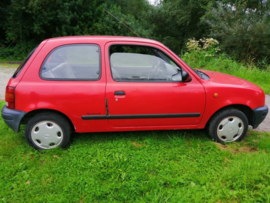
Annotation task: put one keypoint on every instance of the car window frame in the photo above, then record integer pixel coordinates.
(143, 81)
(72, 79)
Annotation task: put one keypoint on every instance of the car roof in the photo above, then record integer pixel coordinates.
(103, 38)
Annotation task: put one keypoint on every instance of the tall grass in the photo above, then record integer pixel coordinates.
(223, 63)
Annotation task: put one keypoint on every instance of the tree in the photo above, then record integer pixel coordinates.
(28, 22)
(4, 7)
(243, 29)
(178, 20)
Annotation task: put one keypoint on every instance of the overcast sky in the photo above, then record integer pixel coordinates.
(152, 1)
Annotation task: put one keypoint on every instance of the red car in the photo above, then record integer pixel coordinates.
(105, 83)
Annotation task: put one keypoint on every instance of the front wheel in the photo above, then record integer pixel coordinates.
(228, 125)
(47, 131)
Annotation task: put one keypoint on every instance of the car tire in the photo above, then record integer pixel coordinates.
(228, 125)
(48, 130)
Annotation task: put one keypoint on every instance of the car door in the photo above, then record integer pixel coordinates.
(144, 88)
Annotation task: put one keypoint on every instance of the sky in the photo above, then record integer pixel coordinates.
(152, 1)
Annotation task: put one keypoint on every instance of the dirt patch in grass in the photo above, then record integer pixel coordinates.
(55, 156)
(28, 156)
(238, 149)
(137, 144)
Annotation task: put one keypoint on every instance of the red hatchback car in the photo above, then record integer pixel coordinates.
(106, 83)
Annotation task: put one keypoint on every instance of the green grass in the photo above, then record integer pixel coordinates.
(8, 60)
(4, 60)
(154, 166)
(224, 64)
(6, 65)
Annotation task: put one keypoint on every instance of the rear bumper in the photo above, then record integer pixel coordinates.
(12, 118)
(259, 115)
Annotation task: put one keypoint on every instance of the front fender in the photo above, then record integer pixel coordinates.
(220, 97)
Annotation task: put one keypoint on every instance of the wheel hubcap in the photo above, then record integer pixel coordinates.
(47, 134)
(230, 129)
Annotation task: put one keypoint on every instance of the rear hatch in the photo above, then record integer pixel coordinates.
(13, 81)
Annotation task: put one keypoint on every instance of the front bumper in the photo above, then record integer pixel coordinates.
(259, 115)
(12, 118)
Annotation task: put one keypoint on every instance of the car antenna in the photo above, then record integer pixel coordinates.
(121, 22)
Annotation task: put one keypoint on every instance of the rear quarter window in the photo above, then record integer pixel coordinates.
(72, 62)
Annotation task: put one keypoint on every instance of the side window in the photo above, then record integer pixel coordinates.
(72, 62)
(142, 63)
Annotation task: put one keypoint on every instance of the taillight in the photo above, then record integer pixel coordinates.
(10, 97)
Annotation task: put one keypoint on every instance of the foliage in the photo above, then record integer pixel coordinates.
(3, 13)
(243, 29)
(17, 52)
(209, 60)
(179, 20)
(36, 20)
(154, 166)
(207, 46)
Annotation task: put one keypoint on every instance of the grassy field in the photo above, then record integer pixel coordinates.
(154, 166)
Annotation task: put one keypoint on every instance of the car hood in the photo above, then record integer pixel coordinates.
(222, 78)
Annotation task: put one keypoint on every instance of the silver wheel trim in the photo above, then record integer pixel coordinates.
(230, 129)
(47, 134)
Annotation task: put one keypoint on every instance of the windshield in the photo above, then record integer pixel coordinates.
(201, 74)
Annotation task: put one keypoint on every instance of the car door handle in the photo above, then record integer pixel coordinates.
(119, 93)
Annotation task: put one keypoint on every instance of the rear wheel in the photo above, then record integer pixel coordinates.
(228, 125)
(47, 131)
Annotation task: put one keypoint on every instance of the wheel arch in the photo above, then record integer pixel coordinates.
(31, 114)
(245, 109)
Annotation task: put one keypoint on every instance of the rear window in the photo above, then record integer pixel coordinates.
(18, 70)
(72, 62)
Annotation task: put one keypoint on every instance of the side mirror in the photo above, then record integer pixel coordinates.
(177, 77)
(185, 76)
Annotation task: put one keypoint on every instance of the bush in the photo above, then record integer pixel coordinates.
(17, 52)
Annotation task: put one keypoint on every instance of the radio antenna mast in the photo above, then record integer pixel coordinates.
(121, 22)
